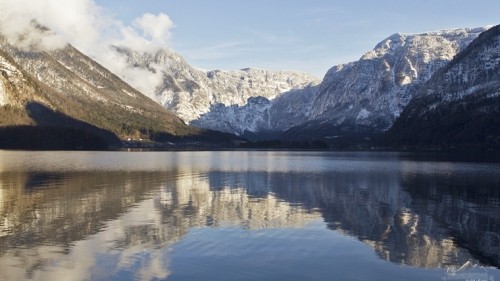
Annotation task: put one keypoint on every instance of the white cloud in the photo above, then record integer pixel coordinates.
(89, 28)
(71, 20)
(155, 27)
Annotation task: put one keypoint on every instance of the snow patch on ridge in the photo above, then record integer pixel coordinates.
(6, 69)
(3, 94)
(363, 114)
(386, 77)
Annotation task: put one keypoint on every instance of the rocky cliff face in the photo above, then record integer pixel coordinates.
(459, 105)
(191, 92)
(358, 97)
(384, 76)
(261, 118)
(368, 95)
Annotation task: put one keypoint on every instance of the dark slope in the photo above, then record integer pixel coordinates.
(68, 93)
(460, 105)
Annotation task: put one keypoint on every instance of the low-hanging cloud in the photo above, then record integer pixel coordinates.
(68, 21)
(155, 27)
(89, 28)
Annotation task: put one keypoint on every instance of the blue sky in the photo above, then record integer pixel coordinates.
(304, 35)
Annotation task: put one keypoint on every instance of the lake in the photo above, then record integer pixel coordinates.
(247, 215)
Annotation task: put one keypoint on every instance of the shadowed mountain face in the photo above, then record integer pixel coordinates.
(70, 85)
(54, 130)
(367, 96)
(460, 105)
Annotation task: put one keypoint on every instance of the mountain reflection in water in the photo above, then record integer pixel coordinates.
(58, 221)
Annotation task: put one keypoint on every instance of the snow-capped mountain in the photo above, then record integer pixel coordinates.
(369, 94)
(66, 91)
(460, 104)
(359, 97)
(385, 75)
(261, 118)
(192, 92)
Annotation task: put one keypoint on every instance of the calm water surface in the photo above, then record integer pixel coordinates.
(247, 216)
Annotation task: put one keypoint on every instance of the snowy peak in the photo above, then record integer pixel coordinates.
(366, 95)
(148, 59)
(263, 83)
(414, 57)
(443, 43)
(381, 82)
(391, 43)
(191, 92)
(459, 106)
(474, 71)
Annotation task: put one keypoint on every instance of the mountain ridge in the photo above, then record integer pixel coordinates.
(191, 92)
(459, 106)
(369, 94)
(361, 97)
(78, 96)
(64, 88)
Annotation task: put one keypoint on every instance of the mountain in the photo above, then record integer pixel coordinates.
(367, 96)
(460, 105)
(63, 99)
(358, 98)
(209, 99)
(261, 118)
